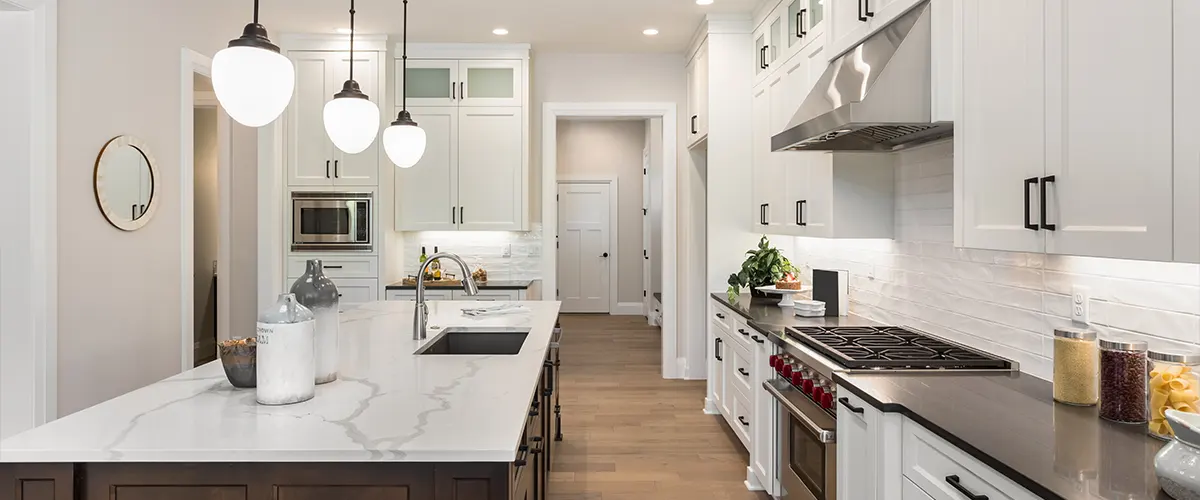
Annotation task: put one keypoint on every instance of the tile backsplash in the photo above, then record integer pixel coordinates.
(482, 247)
(1003, 302)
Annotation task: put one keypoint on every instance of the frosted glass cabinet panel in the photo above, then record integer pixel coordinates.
(490, 83)
(429, 83)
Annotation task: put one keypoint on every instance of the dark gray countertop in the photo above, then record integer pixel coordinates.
(1008, 421)
(487, 285)
(1011, 423)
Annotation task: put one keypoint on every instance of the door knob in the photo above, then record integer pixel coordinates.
(605, 255)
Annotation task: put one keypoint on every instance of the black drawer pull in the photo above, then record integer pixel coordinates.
(333, 267)
(743, 372)
(756, 339)
(743, 332)
(694, 131)
(720, 316)
(717, 350)
(1032, 181)
(747, 424)
(869, 13)
(853, 409)
(861, 17)
(954, 481)
(519, 463)
(800, 218)
(1045, 180)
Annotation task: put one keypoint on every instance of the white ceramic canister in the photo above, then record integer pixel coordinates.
(286, 363)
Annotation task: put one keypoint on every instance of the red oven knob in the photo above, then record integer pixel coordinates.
(797, 378)
(774, 360)
(787, 371)
(808, 386)
(827, 400)
(818, 393)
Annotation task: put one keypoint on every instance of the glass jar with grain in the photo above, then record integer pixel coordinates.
(1123, 381)
(1076, 366)
(1172, 384)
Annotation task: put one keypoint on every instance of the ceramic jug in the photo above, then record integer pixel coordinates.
(1178, 463)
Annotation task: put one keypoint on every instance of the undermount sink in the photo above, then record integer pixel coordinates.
(477, 341)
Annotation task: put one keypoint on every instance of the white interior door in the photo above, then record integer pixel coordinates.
(646, 291)
(583, 251)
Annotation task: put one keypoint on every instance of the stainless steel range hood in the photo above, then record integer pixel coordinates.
(875, 97)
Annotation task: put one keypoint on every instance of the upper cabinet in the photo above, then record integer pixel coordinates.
(1187, 130)
(471, 102)
(854, 20)
(697, 81)
(1081, 155)
(805, 23)
(311, 158)
(445, 82)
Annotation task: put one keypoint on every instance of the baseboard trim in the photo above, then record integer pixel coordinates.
(629, 309)
(710, 407)
(752, 483)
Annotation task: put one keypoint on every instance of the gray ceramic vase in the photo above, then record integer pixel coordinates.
(320, 295)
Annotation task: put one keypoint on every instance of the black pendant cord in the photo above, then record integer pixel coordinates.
(255, 11)
(404, 61)
(351, 39)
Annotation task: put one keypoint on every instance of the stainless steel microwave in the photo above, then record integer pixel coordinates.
(331, 221)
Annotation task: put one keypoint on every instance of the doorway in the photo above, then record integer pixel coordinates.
(205, 220)
(586, 252)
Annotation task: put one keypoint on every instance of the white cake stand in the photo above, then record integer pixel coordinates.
(788, 300)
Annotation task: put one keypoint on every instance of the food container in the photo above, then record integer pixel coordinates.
(1076, 367)
(1123, 381)
(1172, 384)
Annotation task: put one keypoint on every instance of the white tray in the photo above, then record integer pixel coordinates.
(787, 301)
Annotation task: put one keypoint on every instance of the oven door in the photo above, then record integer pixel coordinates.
(807, 450)
(331, 221)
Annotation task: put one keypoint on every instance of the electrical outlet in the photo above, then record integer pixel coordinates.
(1081, 299)
(535, 250)
(506, 252)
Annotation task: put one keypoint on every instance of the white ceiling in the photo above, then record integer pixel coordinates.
(550, 25)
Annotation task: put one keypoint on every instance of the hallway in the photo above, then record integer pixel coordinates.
(629, 434)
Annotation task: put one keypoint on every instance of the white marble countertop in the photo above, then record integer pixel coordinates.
(387, 405)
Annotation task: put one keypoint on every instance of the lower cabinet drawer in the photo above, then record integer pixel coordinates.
(355, 292)
(743, 417)
(411, 295)
(337, 267)
(945, 472)
(910, 491)
(743, 368)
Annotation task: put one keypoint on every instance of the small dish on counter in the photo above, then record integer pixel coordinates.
(1176, 463)
(809, 308)
(239, 357)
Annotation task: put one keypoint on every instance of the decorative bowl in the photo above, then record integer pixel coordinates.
(1178, 463)
(239, 357)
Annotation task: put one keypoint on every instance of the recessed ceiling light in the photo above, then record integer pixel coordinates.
(650, 32)
(500, 31)
(704, 2)
(343, 31)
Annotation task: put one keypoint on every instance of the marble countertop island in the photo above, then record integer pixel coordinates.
(388, 404)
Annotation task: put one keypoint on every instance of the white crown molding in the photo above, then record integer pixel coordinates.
(465, 50)
(332, 42)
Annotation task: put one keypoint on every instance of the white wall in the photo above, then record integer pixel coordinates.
(612, 148)
(115, 335)
(17, 403)
(243, 294)
(1003, 302)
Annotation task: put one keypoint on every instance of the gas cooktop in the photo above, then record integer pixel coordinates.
(893, 347)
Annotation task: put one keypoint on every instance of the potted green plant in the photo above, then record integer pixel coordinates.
(763, 267)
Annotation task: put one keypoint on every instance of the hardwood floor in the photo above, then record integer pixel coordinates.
(629, 434)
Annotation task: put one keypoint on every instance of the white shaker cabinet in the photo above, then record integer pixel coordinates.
(491, 82)
(851, 21)
(429, 82)
(311, 158)
(427, 193)
(805, 23)
(858, 428)
(1187, 131)
(697, 77)
(491, 180)
(1000, 132)
(1109, 123)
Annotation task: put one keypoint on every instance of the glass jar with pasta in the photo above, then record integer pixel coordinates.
(1173, 384)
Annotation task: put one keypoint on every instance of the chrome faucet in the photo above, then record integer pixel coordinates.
(421, 315)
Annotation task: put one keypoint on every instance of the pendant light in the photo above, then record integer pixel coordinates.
(252, 80)
(351, 119)
(404, 141)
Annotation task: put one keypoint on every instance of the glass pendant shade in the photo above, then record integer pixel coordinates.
(252, 80)
(351, 120)
(404, 141)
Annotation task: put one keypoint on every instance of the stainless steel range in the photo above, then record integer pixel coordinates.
(807, 396)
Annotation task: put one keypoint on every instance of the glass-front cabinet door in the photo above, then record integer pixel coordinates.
(429, 83)
(805, 23)
(490, 83)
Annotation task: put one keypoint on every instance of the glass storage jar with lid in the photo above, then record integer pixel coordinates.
(1123, 381)
(1172, 384)
(1076, 360)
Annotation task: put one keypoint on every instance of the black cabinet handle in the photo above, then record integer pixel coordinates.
(743, 372)
(801, 219)
(453, 90)
(141, 210)
(720, 316)
(1032, 181)
(762, 57)
(333, 267)
(694, 131)
(453, 215)
(954, 482)
(765, 63)
(869, 13)
(327, 163)
(743, 332)
(336, 175)
(462, 90)
(800, 23)
(533, 413)
(523, 447)
(519, 463)
(861, 17)
(1045, 180)
(762, 213)
(645, 254)
(756, 339)
(462, 215)
(853, 409)
(743, 421)
(717, 350)
(133, 212)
